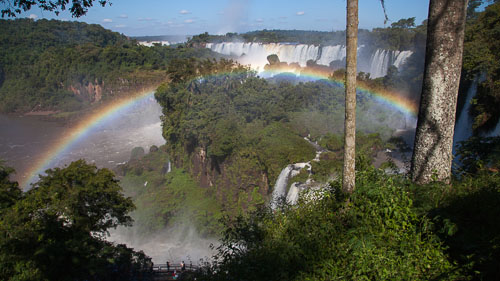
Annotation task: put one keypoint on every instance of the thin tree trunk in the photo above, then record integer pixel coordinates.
(349, 174)
(432, 154)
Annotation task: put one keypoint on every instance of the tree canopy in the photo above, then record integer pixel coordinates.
(77, 8)
(56, 230)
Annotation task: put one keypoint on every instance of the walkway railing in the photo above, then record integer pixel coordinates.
(163, 268)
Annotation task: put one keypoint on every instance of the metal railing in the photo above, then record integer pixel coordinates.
(174, 267)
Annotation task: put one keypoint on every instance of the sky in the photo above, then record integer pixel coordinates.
(190, 17)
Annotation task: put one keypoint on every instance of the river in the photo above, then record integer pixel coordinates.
(25, 139)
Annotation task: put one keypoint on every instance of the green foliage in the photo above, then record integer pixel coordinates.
(376, 234)
(77, 8)
(137, 153)
(476, 154)
(402, 35)
(166, 200)
(465, 216)
(404, 23)
(55, 231)
(49, 64)
(482, 58)
(234, 131)
(9, 191)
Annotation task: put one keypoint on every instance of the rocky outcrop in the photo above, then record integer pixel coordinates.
(228, 177)
(91, 91)
(95, 91)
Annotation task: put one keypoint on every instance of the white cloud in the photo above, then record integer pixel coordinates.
(120, 26)
(259, 20)
(189, 21)
(184, 12)
(144, 19)
(301, 13)
(123, 16)
(107, 20)
(33, 16)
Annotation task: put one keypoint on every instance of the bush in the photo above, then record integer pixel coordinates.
(376, 234)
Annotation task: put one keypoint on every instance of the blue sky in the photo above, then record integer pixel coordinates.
(188, 17)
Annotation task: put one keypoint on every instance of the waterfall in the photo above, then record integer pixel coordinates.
(293, 193)
(382, 59)
(169, 167)
(379, 63)
(279, 190)
(331, 53)
(463, 126)
(255, 55)
(289, 172)
(401, 57)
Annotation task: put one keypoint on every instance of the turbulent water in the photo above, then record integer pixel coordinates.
(256, 54)
(181, 243)
(26, 138)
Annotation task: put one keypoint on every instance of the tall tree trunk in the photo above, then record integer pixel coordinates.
(432, 154)
(349, 173)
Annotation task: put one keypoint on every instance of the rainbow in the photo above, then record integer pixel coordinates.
(80, 131)
(85, 127)
(393, 99)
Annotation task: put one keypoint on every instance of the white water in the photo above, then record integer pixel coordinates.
(382, 59)
(279, 190)
(331, 53)
(24, 139)
(169, 167)
(255, 55)
(181, 243)
(293, 193)
(289, 172)
(463, 126)
(401, 57)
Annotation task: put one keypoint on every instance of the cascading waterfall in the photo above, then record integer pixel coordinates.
(382, 59)
(255, 54)
(289, 172)
(379, 63)
(401, 57)
(286, 174)
(332, 53)
(463, 126)
(279, 190)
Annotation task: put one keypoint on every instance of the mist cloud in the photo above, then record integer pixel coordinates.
(235, 13)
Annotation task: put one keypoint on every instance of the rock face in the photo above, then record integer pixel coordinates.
(95, 91)
(91, 92)
(230, 177)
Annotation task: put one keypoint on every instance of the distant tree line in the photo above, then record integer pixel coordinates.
(41, 60)
(401, 35)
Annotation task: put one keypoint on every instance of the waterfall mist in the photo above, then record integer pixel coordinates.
(175, 244)
(376, 63)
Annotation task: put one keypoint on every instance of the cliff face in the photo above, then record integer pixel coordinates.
(95, 91)
(233, 179)
(91, 92)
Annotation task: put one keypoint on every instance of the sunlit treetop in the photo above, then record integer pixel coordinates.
(77, 8)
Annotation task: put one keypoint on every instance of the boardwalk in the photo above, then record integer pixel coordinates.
(162, 272)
